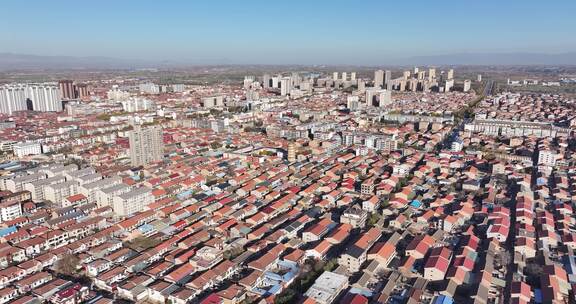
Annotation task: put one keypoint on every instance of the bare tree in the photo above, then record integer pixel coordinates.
(67, 265)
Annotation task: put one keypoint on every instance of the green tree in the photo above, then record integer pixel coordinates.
(215, 145)
(373, 219)
(384, 203)
(105, 117)
(331, 265)
(285, 297)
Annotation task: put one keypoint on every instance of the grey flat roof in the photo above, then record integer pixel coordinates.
(135, 192)
(114, 188)
(102, 183)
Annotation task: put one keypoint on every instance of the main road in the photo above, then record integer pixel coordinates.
(488, 88)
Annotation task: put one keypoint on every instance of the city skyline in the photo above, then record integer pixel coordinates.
(228, 32)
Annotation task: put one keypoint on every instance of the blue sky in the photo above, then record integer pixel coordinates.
(290, 31)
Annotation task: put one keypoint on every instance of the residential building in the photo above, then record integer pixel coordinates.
(146, 145)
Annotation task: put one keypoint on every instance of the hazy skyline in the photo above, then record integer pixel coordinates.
(290, 32)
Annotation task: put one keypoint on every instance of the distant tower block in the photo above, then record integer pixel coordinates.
(335, 76)
(266, 79)
(385, 98)
(406, 75)
(450, 74)
(378, 78)
(67, 89)
(479, 79)
(467, 85)
(285, 86)
(353, 76)
(431, 74)
(448, 86)
(276, 82)
(82, 90)
(361, 85)
(387, 78)
(344, 76)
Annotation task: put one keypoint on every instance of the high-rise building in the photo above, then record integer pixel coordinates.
(266, 81)
(378, 78)
(285, 86)
(45, 97)
(389, 86)
(370, 93)
(431, 74)
(385, 98)
(361, 85)
(479, 79)
(344, 76)
(149, 88)
(450, 74)
(276, 82)
(421, 75)
(352, 103)
(335, 76)
(295, 80)
(353, 76)
(146, 145)
(387, 78)
(449, 85)
(177, 88)
(413, 84)
(12, 99)
(406, 75)
(213, 101)
(82, 90)
(467, 85)
(402, 85)
(248, 80)
(117, 95)
(137, 104)
(67, 89)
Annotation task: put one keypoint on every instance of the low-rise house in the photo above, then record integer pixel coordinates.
(318, 230)
(320, 250)
(437, 264)
(33, 281)
(8, 294)
(383, 253)
(419, 246)
(355, 217)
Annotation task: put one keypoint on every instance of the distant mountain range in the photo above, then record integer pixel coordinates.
(496, 59)
(11, 61)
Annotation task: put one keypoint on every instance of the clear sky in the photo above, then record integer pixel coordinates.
(285, 32)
